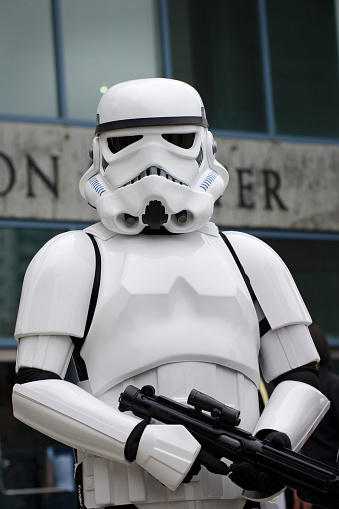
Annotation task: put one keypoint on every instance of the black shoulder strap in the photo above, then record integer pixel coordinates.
(264, 326)
(96, 286)
(78, 342)
(240, 267)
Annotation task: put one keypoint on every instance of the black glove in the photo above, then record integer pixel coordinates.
(209, 461)
(253, 478)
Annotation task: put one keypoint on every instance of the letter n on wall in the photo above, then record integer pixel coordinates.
(33, 169)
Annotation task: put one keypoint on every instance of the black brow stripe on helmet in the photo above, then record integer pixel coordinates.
(149, 122)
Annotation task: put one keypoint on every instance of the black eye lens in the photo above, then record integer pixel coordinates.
(119, 142)
(184, 140)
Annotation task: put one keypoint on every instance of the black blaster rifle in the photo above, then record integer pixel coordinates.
(218, 433)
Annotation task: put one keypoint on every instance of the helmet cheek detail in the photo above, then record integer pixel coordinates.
(200, 157)
(208, 180)
(96, 153)
(93, 189)
(104, 164)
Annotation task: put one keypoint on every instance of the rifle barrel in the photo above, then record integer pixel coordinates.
(314, 482)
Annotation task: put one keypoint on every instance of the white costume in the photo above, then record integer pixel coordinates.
(172, 311)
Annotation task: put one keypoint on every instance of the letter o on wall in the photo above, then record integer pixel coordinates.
(8, 179)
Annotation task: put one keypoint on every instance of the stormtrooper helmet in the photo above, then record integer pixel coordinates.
(153, 159)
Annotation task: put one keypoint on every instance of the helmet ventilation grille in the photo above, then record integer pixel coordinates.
(153, 170)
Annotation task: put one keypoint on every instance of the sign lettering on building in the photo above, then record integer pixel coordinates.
(272, 185)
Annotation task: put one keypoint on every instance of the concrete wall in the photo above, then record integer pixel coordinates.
(280, 185)
(272, 185)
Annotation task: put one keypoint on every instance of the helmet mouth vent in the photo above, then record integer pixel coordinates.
(155, 215)
(154, 170)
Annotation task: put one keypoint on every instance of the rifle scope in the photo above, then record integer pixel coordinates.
(218, 410)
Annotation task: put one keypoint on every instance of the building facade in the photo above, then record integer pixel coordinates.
(268, 75)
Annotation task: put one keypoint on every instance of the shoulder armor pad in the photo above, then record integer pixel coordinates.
(271, 281)
(57, 287)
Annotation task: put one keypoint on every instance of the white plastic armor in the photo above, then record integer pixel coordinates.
(153, 128)
(172, 311)
(160, 339)
(74, 257)
(74, 417)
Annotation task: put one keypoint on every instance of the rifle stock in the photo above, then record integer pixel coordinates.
(219, 434)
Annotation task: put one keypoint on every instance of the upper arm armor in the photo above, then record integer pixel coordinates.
(45, 353)
(273, 285)
(57, 287)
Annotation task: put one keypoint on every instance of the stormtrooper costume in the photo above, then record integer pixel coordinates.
(153, 294)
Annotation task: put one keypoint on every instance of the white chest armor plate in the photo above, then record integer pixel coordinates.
(166, 299)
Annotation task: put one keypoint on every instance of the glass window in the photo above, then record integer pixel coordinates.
(35, 471)
(17, 248)
(304, 62)
(216, 48)
(28, 76)
(104, 43)
(315, 268)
